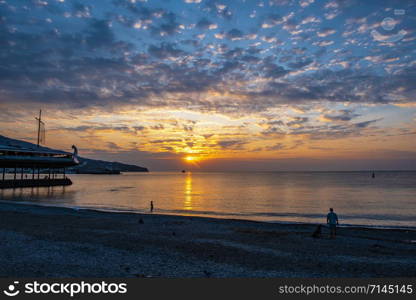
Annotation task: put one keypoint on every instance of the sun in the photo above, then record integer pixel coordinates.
(191, 158)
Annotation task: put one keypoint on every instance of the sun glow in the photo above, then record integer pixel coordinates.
(191, 159)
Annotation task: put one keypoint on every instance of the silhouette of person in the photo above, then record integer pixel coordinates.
(332, 221)
(151, 206)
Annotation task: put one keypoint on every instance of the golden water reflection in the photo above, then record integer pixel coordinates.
(188, 192)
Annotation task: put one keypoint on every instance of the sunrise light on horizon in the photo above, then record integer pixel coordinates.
(215, 84)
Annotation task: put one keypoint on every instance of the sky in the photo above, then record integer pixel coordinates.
(215, 85)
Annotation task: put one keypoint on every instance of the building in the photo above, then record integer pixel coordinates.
(25, 166)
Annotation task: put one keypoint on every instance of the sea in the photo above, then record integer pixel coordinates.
(388, 200)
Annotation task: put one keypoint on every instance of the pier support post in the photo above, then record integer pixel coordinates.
(38, 173)
(21, 174)
(15, 171)
(33, 173)
(4, 173)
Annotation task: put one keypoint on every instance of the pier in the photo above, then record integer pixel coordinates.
(34, 167)
(20, 183)
(25, 162)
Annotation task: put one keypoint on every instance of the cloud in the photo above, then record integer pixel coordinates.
(310, 19)
(158, 127)
(331, 4)
(168, 25)
(166, 141)
(323, 43)
(272, 20)
(165, 50)
(205, 24)
(282, 146)
(296, 121)
(106, 63)
(234, 34)
(276, 147)
(232, 144)
(218, 9)
(326, 32)
(113, 146)
(300, 64)
(160, 63)
(305, 3)
(80, 10)
(99, 34)
(343, 115)
(271, 70)
(332, 15)
(365, 123)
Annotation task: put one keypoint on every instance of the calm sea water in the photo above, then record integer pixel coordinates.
(387, 200)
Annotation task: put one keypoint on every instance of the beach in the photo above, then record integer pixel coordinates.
(41, 241)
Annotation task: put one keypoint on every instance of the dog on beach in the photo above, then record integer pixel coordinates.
(318, 232)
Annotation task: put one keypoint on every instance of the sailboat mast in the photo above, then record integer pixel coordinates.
(39, 121)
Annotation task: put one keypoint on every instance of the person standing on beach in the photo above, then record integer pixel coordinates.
(332, 221)
(151, 206)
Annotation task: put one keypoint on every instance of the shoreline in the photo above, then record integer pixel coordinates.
(207, 215)
(42, 241)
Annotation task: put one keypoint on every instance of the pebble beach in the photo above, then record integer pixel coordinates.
(40, 241)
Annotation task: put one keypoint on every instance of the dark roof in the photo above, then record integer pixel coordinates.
(8, 144)
(22, 154)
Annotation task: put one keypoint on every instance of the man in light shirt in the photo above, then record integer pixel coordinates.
(332, 221)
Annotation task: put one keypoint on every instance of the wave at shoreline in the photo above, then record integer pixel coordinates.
(215, 215)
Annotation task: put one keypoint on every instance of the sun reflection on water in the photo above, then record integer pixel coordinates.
(188, 192)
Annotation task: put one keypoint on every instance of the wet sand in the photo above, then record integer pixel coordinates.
(38, 241)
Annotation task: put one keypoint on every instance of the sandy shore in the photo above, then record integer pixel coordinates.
(59, 242)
